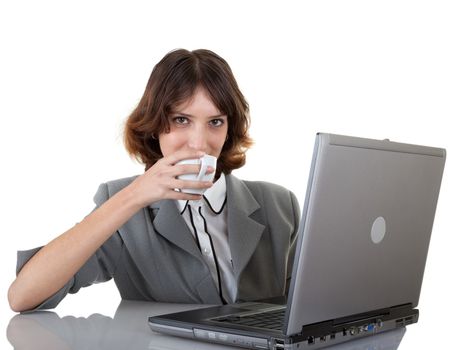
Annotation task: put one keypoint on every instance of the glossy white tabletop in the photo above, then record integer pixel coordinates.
(128, 329)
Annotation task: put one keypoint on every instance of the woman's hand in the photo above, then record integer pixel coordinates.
(160, 181)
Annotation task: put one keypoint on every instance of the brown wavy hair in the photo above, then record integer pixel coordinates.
(173, 81)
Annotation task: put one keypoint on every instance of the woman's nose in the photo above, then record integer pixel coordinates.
(198, 140)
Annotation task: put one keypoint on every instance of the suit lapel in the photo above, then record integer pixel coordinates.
(169, 224)
(244, 232)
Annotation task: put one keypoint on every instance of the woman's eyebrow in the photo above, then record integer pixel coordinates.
(191, 116)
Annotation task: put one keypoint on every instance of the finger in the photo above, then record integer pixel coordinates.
(180, 184)
(185, 196)
(183, 169)
(210, 170)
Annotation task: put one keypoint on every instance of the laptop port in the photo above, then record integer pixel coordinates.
(369, 327)
(333, 336)
(311, 340)
(323, 339)
(279, 344)
(408, 320)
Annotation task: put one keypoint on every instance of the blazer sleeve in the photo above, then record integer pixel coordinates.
(99, 268)
(293, 239)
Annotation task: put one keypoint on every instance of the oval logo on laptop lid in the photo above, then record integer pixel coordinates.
(378, 230)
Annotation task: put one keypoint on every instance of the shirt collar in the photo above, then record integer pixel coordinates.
(215, 197)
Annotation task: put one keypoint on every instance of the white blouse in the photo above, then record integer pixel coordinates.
(207, 220)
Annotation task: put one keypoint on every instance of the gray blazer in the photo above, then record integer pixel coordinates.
(154, 256)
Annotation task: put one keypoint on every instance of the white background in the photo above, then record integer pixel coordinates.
(71, 72)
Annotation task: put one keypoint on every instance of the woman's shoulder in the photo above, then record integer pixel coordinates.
(110, 188)
(272, 197)
(118, 184)
(264, 189)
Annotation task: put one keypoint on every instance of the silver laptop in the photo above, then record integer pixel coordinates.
(361, 252)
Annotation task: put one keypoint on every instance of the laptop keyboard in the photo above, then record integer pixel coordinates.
(273, 319)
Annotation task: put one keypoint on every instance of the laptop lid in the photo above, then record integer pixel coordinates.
(365, 228)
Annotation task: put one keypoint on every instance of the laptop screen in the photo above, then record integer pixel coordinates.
(365, 229)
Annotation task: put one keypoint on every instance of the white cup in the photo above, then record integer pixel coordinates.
(205, 161)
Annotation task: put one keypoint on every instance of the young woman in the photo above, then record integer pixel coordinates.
(235, 242)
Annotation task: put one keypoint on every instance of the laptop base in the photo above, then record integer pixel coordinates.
(314, 336)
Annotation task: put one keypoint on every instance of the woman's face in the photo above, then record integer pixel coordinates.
(195, 125)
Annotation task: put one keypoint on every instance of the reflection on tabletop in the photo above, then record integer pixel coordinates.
(129, 330)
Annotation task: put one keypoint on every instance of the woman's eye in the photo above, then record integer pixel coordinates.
(180, 120)
(216, 122)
